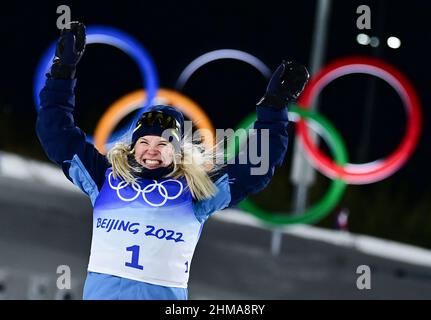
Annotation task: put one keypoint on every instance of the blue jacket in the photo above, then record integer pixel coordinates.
(65, 144)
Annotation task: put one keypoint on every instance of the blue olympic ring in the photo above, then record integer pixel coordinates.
(120, 40)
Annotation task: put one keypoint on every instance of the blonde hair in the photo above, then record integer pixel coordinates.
(195, 161)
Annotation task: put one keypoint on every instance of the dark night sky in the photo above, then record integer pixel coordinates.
(175, 34)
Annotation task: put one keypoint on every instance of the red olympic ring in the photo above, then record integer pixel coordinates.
(377, 170)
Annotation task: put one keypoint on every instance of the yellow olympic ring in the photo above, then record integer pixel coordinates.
(132, 101)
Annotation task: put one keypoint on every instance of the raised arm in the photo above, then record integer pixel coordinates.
(285, 86)
(63, 142)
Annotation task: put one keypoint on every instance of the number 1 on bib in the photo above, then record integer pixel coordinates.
(135, 258)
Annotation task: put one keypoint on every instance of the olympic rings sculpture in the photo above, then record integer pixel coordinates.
(339, 170)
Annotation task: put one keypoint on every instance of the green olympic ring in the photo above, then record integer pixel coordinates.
(336, 189)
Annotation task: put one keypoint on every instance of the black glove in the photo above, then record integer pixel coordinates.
(70, 48)
(285, 85)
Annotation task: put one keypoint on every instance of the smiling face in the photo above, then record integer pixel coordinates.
(154, 152)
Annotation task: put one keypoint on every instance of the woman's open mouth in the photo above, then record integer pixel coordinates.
(152, 163)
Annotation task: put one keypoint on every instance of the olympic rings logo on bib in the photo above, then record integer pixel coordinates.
(162, 191)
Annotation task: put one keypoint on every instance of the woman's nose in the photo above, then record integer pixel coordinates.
(152, 150)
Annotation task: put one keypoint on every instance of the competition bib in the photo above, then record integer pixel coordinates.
(146, 231)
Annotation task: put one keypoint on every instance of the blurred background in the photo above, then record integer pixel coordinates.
(386, 225)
